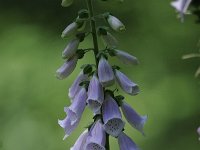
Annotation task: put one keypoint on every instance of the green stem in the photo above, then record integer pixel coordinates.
(93, 26)
(96, 48)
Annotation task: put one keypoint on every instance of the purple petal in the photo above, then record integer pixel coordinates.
(71, 48)
(95, 94)
(126, 84)
(67, 68)
(75, 88)
(133, 117)
(198, 131)
(126, 58)
(113, 123)
(125, 142)
(68, 127)
(75, 110)
(105, 73)
(80, 142)
(97, 137)
(181, 6)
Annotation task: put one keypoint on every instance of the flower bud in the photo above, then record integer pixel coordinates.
(125, 142)
(66, 3)
(126, 58)
(71, 48)
(70, 30)
(198, 131)
(67, 68)
(115, 23)
(105, 73)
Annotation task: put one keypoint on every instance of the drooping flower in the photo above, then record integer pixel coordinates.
(95, 94)
(126, 58)
(126, 84)
(105, 73)
(97, 137)
(80, 142)
(68, 126)
(115, 23)
(75, 88)
(181, 6)
(66, 3)
(112, 118)
(74, 113)
(67, 68)
(71, 48)
(135, 120)
(75, 110)
(125, 142)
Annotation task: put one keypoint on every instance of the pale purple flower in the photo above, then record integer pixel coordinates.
(125, 142)
(112, 118)
(71, 48)
(71, 29)
(80, 142)
(66, 3)
(74, 113)
(115, 23)
(181, 6)
(126, 58)
(67, 68)
(95, 94)
(97, 137)
(75, 88)
(105, 73)
(75, 110)
(133, 118)
(198, 131)
(68, 126)
(109, 40)
(126, 84)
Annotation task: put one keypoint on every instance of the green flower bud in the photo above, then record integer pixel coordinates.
(115, 23)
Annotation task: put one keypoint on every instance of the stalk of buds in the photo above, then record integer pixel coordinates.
(94, 85)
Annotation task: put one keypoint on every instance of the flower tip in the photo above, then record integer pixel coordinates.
(58, 76)
(64, 138)
(122, 29)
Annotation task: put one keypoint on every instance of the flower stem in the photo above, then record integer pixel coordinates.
(93, 26)
(96, 48)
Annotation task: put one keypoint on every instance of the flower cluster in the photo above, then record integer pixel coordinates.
(181, 7)
(94, 85)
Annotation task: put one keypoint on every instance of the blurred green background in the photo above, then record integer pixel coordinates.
(32, 99)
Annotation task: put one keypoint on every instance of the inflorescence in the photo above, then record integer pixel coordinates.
(93, 86)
